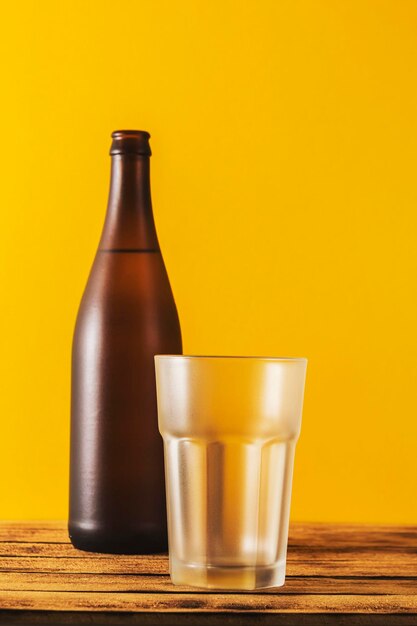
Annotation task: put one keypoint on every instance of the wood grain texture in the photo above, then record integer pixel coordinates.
(207, 602)
(301, 534)
(46, 581)
(352, 574)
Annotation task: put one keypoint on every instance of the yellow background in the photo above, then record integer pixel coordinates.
(284, 184)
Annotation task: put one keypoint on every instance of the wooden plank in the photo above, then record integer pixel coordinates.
(346, 535)
(330, 563)
(59, 550)
(162, 584)
(21, 549)
(300, 535)
(205, 602)
(237, 618)
(85, 565)
(28, 531)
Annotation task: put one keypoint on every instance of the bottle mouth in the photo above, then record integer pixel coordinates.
(130, 142)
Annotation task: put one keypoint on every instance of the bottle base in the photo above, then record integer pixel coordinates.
(230, 578)
(116, 541)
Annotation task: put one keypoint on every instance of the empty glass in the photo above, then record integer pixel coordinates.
(230, 425)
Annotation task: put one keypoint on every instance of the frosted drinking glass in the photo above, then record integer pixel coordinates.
(230, 425)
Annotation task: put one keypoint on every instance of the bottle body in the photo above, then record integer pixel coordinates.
(127, 315)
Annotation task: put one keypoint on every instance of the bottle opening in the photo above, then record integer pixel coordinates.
(130, 142)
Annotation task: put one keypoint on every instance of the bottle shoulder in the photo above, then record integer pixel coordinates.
(128, 272)
(128, 284)
(127, 308)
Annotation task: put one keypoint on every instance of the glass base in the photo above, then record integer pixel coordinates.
(230, 578)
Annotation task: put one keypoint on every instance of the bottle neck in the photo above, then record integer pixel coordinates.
(129, 224)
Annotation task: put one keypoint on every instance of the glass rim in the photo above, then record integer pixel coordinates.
(203, 357)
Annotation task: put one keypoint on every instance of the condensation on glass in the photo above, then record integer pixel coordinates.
(229, 426)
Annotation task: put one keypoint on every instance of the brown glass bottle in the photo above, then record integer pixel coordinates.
(127, 315)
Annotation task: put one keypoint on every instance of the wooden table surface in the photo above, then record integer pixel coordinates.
(350, 575)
